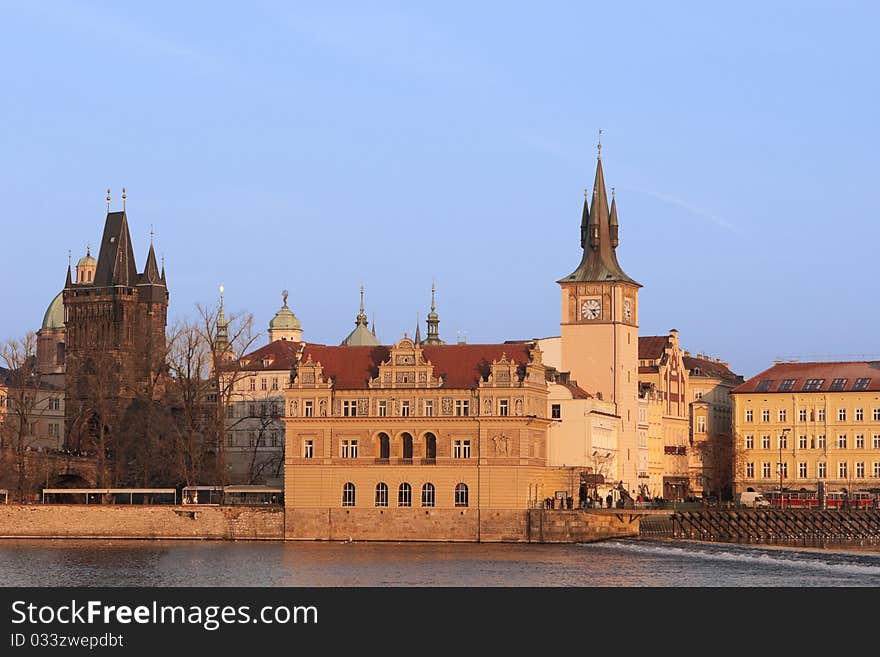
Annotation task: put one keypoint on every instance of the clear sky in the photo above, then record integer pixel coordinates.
(272, 145)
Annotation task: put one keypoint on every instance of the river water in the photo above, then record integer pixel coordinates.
(614, 563)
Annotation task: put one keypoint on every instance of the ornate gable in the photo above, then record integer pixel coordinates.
(406, 367)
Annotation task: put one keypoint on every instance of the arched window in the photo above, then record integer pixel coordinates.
(381, 494)
(404, 495)
(348, 494)
(428, 495)
(407, 445)
(430, 446)
(384, 446)
(461, 494)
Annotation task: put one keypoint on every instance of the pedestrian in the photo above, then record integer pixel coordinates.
(609, 499)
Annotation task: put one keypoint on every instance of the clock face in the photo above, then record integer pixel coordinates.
(627, 309)
(591, 309)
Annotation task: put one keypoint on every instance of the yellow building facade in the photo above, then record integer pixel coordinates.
(803, 425)
(420, 440)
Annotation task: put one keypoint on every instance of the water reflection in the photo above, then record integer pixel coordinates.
(611, 563)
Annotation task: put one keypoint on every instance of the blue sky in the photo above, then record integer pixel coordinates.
(274, 145)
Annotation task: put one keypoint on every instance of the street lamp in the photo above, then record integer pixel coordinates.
(779, 464)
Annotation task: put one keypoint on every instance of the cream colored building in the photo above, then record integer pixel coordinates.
(711, 425)
(803, 424)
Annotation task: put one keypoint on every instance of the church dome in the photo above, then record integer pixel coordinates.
(284, 319)
(87, 261)
(54, 317)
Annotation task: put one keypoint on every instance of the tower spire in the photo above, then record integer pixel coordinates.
(222, 328)
(418, 338)
(123, 209)
(613, 225)
(433, 321)
(108, 200)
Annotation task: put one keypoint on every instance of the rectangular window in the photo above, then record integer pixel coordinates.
(765, 442)
(783, 441)
(764, 385)
(750, 442)
(404, 409)
(802, 470)
(309, 408)
(308, 449)
(750, 470)
(383, 408)
(821, 414)
(750, 415)
(838, 384)
(813, 384)
(698, 394)
(252, 384)
(860, 469)
(782, 415)
(502, 407)
(821, 470)
(556, 411)
(875, 441)
(461, 449)
(461, 407)
(263, 385)
(349, 408)
(877, 415)
(349, 449)
(861, 384)
(821, 440)
(701, 425)
(860, 414)
(275, 383)
(802, 415)
(429, 408)
(54, 430)
(765, 470)
(786, 385)
(55, 403)
(802, 442)
(765, 415)
(783, 470)
(841, 470)
(841, 441)
(860, 441)
(876, 469)
(841, 415)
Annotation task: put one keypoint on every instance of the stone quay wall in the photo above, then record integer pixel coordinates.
(141, 521)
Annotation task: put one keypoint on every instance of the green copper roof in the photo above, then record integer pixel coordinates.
(54, 317)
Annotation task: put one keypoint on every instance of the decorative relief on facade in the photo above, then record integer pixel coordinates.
(294, 410)
(518, 407)
(502, 444)
(387, 377)
(404, 377)
(308, 377)
(405, 359)
(363, 406)
(396, 407)
(487, 407)
(322, 408)
(446, 406)
(423, 377)
(337, 408)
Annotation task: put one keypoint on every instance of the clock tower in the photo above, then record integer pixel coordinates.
(599, 325)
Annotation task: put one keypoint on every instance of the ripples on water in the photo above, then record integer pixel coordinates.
(617, 563)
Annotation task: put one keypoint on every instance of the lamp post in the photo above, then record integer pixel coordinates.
(779, 464)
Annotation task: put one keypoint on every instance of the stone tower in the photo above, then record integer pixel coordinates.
(115, 334)
(599, 325)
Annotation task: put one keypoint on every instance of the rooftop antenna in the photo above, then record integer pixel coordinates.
(123, 199)
(599, 146)
(108, 199)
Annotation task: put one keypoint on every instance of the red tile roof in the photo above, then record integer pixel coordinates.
(709, 368)
(460, 365)
(577, 392)
(799, 373)
(652, 346)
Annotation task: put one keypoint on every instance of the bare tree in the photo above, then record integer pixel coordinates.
(25, 403)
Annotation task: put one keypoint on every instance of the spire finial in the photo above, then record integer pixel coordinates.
(362, 298)
(599, 146)
(433, 286)
(284, 296)
(108, 199)
(123, 199)
(221, 294)
(69, 256)
(612, 192)
(88, 248)
(163, 262)
(151, 225)
(374, 324)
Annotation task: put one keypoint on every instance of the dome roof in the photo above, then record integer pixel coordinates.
(54, 317)
(285, 319)
(87, 261)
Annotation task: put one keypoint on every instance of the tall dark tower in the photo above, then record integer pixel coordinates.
(115, 336)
